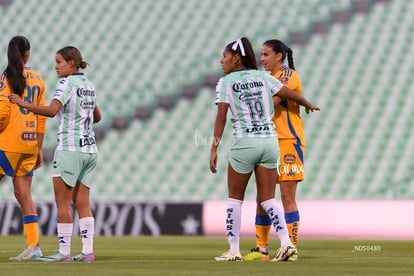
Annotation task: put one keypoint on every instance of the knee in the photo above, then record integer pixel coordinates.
(18, 195)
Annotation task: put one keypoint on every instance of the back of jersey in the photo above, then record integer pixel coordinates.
(20, 134)
(249, 95)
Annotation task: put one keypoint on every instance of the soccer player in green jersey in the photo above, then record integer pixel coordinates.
(250, 95)
(75, 157)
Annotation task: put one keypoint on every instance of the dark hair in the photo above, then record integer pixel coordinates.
(18, 46)
(280, 47)
(72, 53)
(248, 60)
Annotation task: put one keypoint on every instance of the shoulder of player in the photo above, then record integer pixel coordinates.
(285, 74)
(30, 73)
(3, 85)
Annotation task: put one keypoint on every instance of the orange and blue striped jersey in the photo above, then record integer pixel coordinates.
(18, 126)
(287, 113)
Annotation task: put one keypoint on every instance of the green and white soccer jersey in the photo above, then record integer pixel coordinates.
(77, 95)
(249, 95)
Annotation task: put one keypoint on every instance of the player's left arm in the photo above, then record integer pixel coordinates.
(39, 161)
(4, 108)
(97, 116)
(50, 111)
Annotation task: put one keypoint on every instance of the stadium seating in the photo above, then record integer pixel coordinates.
(358, 147)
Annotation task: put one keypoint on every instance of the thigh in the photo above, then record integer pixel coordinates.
(265, 182)
(237, 183)
(87, 173)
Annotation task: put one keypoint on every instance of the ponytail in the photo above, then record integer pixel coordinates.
(290, 58)
(18, 46)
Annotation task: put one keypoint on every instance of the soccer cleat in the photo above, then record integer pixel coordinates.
(283, 253)
(30, 253)
(228, 256)
(87, 258)
(57, 257)
(293, 258)
(256, 254)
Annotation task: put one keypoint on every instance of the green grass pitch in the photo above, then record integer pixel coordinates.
(185, 255)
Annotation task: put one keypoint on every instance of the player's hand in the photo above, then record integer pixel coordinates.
(213, 162)
(311, 108)
(14, 98)
(39, 161)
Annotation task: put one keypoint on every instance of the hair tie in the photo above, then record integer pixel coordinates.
(238, 43)
(286, 47)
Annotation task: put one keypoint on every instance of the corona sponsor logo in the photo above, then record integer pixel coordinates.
(238, 87)
(81, 92)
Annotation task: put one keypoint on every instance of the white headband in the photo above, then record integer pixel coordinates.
(236, 44)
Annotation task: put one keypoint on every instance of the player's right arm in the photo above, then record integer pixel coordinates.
(287, 93)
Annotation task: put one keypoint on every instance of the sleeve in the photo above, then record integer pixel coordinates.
(221, 92)
(5, 105)
(62, 91)
(41, 120)
(294, 83)
(274, 84)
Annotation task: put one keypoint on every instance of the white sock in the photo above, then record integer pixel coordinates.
(64, 231)
(87, 230)
(233, 221)
(278, 220)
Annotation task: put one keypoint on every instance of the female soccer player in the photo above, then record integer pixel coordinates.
(291, 135)
(21, 136)
(250, 95)
(76, 152)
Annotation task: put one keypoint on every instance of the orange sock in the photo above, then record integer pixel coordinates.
(263, 225)
(292, 222)
(293, 229)
(31, 230)
(262, 235)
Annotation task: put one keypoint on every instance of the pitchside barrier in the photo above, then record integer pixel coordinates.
(382, 219)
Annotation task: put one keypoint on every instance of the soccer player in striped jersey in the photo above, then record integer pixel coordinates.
(250, 95)
(291, 136)
(75, 157)
(21, 136)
